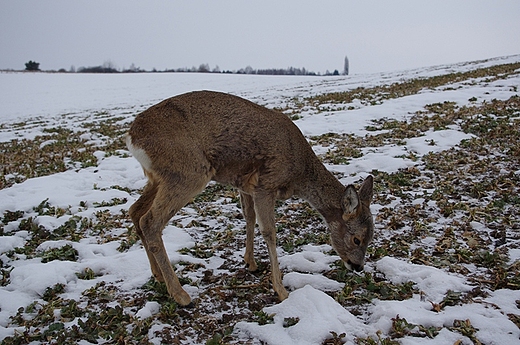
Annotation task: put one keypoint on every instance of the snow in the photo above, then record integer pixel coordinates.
(64, 98)
(436, 141)
(318, 315)
(81, 92)
(311, 259)
(431, 280)
(151, 308)
(70, 187)
(296, 280)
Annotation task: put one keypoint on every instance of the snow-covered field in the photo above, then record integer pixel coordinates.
(83, 210)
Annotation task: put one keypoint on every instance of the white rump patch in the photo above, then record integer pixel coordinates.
(138, 153)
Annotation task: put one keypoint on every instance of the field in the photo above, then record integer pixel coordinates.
(443, 145)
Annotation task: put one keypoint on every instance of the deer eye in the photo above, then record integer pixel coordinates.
(357, 241)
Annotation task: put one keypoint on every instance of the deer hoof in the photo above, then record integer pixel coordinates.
(190, 305)
(182, 298)
(251, 267)
(282, 295)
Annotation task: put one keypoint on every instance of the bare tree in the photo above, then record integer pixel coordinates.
(203, 68)
(109, 67)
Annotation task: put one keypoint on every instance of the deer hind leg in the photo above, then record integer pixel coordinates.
(137, 210)
(248, 209)
(264, 207)
(169, 198)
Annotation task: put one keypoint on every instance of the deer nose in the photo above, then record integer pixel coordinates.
(355, 267)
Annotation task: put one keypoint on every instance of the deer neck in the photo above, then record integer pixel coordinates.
(323, 191)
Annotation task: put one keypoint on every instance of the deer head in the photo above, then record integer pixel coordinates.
(354, 230)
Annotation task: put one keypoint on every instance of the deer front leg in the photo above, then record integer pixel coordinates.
(248, 209)
(264, 207)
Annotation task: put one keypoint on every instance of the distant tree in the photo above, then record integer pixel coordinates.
(203, 68)
(336, 72)
(32, 66)
(97, 69)
(346, 68)
(109, 67)
(133, 69)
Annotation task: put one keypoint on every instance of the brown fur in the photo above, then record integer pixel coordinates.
(188, 140)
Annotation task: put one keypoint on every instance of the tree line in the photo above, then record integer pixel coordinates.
(109, 67)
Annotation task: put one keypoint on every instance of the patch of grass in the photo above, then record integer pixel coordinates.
(452, 298)
(112, 202)
(336, 339)
(108, 226)
(65, 253)
(200, 251)
(381, 340)
(298, 224)
(105, 225)
(6, 274)
(87, 274)
(290, 321)
(45, 209)
(11, 216)
(221, 338)
(465, 328)
(71, 229)
(401, 328)
(215, 191)
(362, 289)
(291, 242)
(262, 318)
(57, 151)
(51, 293)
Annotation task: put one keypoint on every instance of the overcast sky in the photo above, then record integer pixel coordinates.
(376, 35)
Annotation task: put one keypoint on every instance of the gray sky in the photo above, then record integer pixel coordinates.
(375, 35)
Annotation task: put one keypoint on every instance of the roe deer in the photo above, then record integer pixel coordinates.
(186, 141)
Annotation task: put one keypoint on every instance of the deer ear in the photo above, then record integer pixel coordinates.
(350, 200)
(366, 191)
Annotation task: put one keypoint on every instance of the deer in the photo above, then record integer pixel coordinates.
(189, 140)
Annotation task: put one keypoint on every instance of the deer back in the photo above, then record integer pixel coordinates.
(231, 139)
